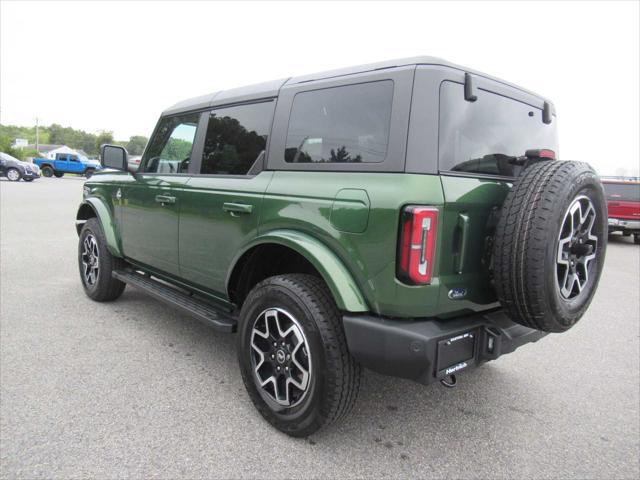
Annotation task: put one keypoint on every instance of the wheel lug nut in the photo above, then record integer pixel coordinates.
(272, 356)
(278, 367)
(288, 356)
(275, 344)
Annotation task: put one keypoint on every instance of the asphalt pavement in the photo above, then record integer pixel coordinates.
(134, 389)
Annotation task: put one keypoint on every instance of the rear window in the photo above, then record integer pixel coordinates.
(622, 192)
(480, 137)
(347, 124)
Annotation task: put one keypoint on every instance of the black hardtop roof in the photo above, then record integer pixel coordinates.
(271, 88)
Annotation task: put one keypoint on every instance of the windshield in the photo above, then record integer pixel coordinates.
(6, 157)
(481, 137)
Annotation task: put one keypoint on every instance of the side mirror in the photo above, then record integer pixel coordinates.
(114, 156)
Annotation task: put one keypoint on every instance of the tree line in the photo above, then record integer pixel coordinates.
(55, 134)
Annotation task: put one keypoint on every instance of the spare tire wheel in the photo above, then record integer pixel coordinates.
(550, 245)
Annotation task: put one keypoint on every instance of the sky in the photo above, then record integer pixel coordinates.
(116, 65)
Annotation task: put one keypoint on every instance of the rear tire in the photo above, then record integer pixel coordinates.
(58, 174)
(301, 305)
(550, 245)
(96, 264)
(636, 238)
(47, 171)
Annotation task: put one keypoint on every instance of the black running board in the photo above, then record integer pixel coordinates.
(199, 309)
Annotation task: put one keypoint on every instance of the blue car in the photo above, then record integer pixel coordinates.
(67, 163)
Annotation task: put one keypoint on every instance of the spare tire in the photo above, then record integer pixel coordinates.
(550, 245)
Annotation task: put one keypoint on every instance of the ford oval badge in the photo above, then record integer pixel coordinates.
(457, 293)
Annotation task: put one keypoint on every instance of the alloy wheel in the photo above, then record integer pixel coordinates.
(90, 260)
(576, 247)
(281, 359)
(13, 175)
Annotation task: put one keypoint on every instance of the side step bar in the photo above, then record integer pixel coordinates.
(199, 309)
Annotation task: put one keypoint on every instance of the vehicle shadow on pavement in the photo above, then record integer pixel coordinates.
(619, 239)
(388, 409)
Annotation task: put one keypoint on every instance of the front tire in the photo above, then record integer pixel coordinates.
(96, 264)
(13, 175)
(293, 355)
(28, 179)
(89, 172)
(636, 238)
(58, 174)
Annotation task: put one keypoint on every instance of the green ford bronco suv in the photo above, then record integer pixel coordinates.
(408, 216)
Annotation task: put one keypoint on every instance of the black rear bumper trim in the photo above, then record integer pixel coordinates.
(413, 349)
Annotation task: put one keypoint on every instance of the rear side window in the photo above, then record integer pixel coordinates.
(622, 192)
(348, 124)
(236, 138)
(481, 136)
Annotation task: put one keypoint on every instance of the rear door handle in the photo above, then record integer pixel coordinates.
(236, 209)
(463, 224)
(163, 199)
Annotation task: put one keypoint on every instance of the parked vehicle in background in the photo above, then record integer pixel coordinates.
(134, 162)
(67, 163)
(385, 216)
(623, 205)
(15, 169)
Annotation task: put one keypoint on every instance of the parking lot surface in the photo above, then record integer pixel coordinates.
(134, 389)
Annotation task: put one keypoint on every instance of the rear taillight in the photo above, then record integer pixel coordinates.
(541, 153)
(416, 249)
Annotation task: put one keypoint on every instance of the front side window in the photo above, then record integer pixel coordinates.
(170, 148)
(236, 138)
(482, 136)
(348, 124)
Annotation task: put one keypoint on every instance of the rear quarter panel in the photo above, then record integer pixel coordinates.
(314, 203)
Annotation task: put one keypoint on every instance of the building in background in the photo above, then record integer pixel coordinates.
(49, 151)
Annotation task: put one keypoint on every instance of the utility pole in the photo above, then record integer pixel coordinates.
(37, 139)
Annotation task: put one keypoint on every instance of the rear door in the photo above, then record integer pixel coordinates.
(221, 203)
(151, 202)
(61, 162)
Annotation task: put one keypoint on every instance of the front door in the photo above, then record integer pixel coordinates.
(151, 202)
(221, 203)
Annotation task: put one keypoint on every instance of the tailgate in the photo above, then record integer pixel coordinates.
(469, 218)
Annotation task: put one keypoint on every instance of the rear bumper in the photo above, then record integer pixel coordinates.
(621, 224)
(429, 350)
